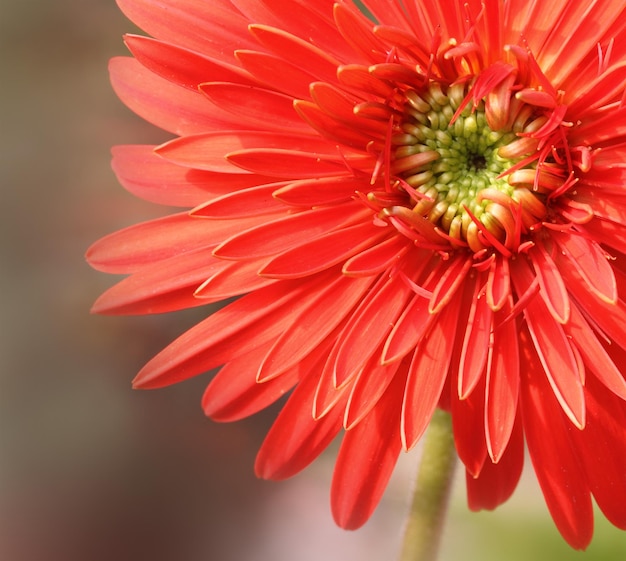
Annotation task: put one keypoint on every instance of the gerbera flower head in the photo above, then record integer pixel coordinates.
(423, 207)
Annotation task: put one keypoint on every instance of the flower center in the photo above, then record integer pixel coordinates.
(455, 168)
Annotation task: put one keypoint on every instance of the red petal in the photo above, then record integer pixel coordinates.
(498, 283)
(255, 107)
(369, 386)
(239, 328)
(553, 348)
(497, 481)
(295, 439)
(235, 393)
(503, 382)
(181, 66)
(357, 30)
(330, 128)
(611, 233)
(590, 262)
(602, 451)
(146, 243)
(339, 104)
(579, 29)
(145, 174)
(357, 77)
(192, 24)
(475, 342)
(377, 258)
(369, 326)
(551, 285)
(427, 374)
(163, 103)
(557, 466)
(232, 279)
(600, 90)
(163, 287)
(294, 80)
(325, 310)
(310, 20)
(453, 276)
(288, 231)
(610, 126)
(595, 356)
(468, 426)
(209, 151)
(292, 164)
(295, 50)
(611, 318)
(408, 330)
(319, 192)
(254, 201)
(327, 394)
(322, 253)
(366, 460)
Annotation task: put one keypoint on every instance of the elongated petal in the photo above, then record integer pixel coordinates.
(409, 329)
(469, 436)
(313, 325)
(319, 192)
(551, 285)
(427, 375)
(555, 353)
(163, 287)
(603, 453)
(369, 387)
(240, 327)
(181, 66)
(146, 243)
(192, 24)
(265, 67)
(475, 342)
(498, 283)
(255, 201)
(497, 481)
(502, 386)
(558, 470)
(251, 106)
(145, 174)
(591, 263)
(169, 106)
(294, 50)
(595, 356)
(295, 438)
(233, 278)
(287, 231)
(377, 258)
(208, 151)
(297, 163)
(369, 453)
(370, 327)
(235, 393)
(449, 283)
(324, 252)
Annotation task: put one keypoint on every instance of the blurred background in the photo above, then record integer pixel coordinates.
(93, 471)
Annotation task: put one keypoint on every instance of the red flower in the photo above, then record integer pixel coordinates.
(426, 211)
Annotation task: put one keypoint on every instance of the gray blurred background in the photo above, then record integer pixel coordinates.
(91, 470)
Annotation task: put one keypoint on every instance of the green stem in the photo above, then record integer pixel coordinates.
(434, 479)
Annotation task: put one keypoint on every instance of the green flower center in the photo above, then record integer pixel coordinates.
(453, 165)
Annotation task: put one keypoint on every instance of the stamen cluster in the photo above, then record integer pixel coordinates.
(458, 165)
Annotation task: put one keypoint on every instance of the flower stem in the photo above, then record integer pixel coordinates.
(423, 531)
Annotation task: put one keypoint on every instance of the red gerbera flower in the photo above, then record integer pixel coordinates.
(424, 208)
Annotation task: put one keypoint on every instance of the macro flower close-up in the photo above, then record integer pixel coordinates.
(410, 206)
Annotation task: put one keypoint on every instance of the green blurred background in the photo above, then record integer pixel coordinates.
(92, 471)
